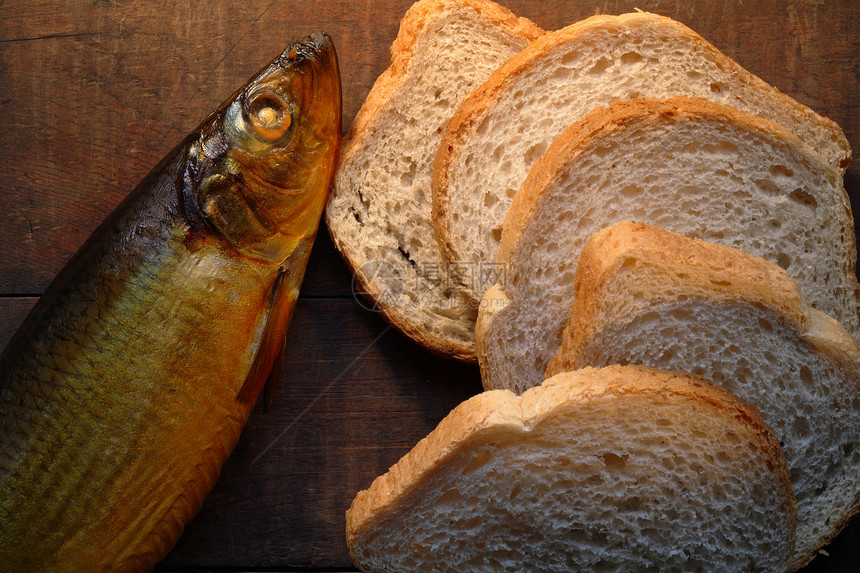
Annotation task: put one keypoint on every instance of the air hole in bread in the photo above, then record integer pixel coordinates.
(767, 185)
(545, 123)
(630, 191)
(783, 260)
(408, 177)
(800, 427)
(650, 316)
(449, 497)
(425, 549)
(629, 263)
(603, 150)
(716, 87)
(743, 375)
(631, 58)
(600, 66)
(561, 74)
(565, 217)
(534, 153)
(801, 197)
(777, 170)
(614, 461)
(497, 234)
(681, 313)
(406, 255)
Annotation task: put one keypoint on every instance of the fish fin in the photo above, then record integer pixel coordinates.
(268, 363)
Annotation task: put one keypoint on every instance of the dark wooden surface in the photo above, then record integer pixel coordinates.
(93, 94)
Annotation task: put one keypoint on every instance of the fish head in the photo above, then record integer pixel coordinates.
(260, 169)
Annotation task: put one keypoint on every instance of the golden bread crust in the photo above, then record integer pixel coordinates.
(693, 267)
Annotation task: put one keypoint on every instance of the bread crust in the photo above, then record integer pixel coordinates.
(481, 102)
(412, 26)
(497, 410)
(415, 23)
(503, 413)
(694, 267)
(702, 270)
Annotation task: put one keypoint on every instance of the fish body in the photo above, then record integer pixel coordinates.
(126, 388)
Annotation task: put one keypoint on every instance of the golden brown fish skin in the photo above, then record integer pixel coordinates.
(119, 395)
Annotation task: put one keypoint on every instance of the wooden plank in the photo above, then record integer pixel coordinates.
(93, 94)
(327, 274)
(13, 310)
(352, 400)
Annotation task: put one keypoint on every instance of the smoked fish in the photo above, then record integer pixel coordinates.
(127, 386)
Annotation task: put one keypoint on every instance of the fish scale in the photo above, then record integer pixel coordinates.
(127, 387)
(70, 421)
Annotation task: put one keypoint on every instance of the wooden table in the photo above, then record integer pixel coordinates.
(93, 94)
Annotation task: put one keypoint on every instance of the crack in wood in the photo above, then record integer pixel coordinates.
(50, 37)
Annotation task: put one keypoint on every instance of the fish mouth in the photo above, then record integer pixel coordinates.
(313, 64)
(318, 45)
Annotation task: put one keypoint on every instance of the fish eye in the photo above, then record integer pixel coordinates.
(269, 116)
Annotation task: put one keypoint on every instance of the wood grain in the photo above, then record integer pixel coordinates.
(93, 94)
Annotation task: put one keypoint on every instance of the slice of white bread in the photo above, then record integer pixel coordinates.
(505, 125)
(688, 165)
(378, 213)
(614, 469)
(648, 296)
